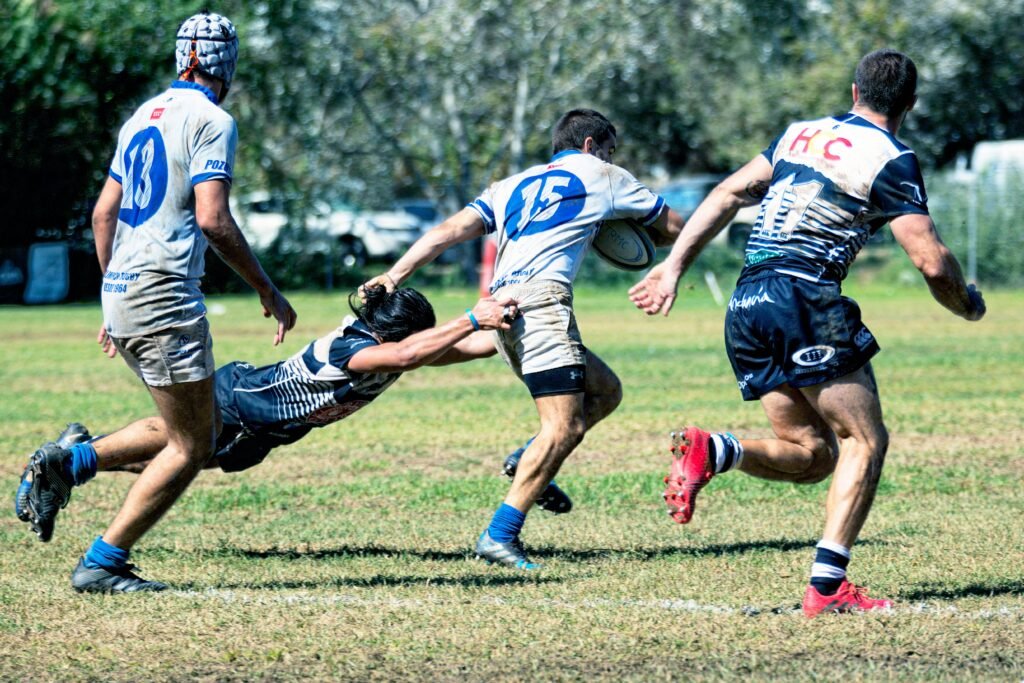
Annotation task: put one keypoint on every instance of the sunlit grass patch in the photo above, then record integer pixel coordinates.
(348, 556)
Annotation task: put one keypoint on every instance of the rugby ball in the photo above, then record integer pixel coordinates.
(624, 243)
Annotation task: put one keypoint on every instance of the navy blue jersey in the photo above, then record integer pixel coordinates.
(835, 182)
(312, 388)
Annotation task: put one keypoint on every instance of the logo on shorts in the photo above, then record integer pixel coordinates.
(813, 355)
(746, 378)
(744, 302)
(184, 350)
(863, 338)
(575, 374)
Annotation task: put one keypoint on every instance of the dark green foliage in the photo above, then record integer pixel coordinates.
(70, 73)
(364, 102)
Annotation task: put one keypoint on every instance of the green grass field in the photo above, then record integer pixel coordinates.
(347, 556)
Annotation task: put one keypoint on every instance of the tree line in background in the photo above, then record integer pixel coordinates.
(368, 101)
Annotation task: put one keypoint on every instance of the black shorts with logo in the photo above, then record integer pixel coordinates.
(782, 329)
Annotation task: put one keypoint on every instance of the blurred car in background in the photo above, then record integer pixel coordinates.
(365, 236)
(685, 194)
(359, 236)
(423, 209)
(261, 216)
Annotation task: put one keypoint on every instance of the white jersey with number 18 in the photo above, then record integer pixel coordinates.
(173, 142)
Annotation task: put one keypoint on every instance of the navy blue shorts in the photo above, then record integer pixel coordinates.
(241, 443)
(785, 330)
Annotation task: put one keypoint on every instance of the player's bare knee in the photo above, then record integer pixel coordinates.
(183, 465)
(565, 437)
(199, 457)
(196, 452)
(606, 401)
(878, 447)
(603, 389)
(883, 441)
(573, 434)
(875, 444)
(820, 470)
(568, 439)
(822, 464)
(613, 397)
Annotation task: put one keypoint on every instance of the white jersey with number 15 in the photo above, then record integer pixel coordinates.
(547, 216)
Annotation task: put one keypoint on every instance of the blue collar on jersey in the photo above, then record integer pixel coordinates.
(192, 85)
(362, 328)
(858, 120)
(565, 153)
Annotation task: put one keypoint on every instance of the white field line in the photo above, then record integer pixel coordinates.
(668, 605)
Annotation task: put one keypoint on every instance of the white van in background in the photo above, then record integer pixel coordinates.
(357, 236)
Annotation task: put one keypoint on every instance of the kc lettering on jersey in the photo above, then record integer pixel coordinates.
(547, 216)
(835, 182)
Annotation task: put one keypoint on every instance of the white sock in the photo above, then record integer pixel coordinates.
(728, 452)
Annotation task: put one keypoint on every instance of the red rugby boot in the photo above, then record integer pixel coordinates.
(691, 470)
(849, 598)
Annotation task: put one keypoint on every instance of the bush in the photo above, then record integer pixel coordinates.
(999, 212)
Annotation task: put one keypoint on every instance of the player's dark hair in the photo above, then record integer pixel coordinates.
(576, 126)
(393, 316)
(887, 82)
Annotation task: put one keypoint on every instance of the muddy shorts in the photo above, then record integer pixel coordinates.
(544, 346)
(786, 330)
(174, 355)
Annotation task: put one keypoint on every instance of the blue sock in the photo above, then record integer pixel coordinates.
(506, 524)
(81, 466)
(102, 555)
(829, 567)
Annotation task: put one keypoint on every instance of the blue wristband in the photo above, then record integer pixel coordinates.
(472, 319)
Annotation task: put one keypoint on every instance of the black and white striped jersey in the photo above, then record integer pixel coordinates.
(835, 182)
(314, 387)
